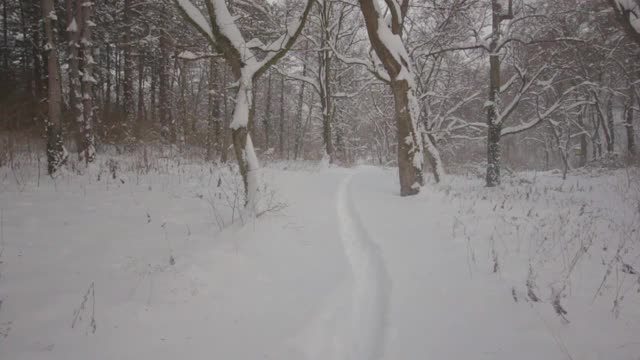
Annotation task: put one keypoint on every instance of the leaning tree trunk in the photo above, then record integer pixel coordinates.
(398, 66)
(56, 153)
(611, 140)
(433, 156)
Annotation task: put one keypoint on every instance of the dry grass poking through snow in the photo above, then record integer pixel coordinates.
(569, 244)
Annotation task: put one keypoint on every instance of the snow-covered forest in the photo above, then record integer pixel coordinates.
(319, 179)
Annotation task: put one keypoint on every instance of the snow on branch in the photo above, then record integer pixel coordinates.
(542, 116)
(526, 85)
(368, 65)
(278, 48)
(628, 15)
(305, 79)
(194, 15)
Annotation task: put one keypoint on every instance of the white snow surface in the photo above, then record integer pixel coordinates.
(347, 270)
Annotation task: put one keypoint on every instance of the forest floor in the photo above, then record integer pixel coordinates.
(150, 259)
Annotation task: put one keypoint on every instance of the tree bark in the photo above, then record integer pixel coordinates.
(266, 119)
(128, 96)
(631, 140)
(214, 131)
(140, 112)
(56, 153)
(74, 29)
(494, 128)
(282, 119)
(163, 95)
(611, 140)
(5, 49)
(398, 67)
(324, 77)
(224, 150)
(88, 139)
(297, 144)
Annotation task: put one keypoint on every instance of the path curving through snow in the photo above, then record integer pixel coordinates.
(365, 332)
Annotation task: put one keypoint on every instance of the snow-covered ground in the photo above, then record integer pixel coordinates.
(147, 265)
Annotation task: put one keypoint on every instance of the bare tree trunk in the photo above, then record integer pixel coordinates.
(214, 131)
(164, 105)
(182, 103)
(324, 77)
(127, 94)
(88, 139)
(410, 174)
(297, 145)
(152, 93)
(140, 113)
(74, 29)
(399, 68)
(494, 128)
(107, 97)
(225, 99)
(5, 31)
(266, 119)
(611, 140)
(56, 153)
(282, 119)
(631, 141)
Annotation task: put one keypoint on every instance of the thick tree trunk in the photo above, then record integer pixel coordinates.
(398, 67)
(243, 113)
(494, 127)
(411, 176)
(56, 154)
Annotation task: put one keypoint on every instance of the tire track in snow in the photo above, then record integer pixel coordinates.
(365, 332)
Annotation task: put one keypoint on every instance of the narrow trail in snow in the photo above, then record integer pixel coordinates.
(365, 332)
